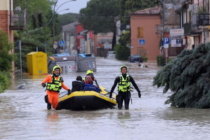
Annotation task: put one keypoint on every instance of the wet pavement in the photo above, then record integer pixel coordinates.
(23, 113)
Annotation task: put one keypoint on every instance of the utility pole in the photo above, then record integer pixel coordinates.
(163, 29)
(21, 69)
(53, 30)
(163, 17)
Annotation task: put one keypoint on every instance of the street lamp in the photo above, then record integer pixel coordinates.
(54, 12)
(62, 4)
(63, 10)
(54, 25)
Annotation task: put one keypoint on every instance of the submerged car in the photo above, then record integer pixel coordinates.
(135, 58)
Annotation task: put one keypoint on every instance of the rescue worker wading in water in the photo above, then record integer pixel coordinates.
(124, 81)
(53, 87)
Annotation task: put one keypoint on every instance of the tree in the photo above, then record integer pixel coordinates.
(68, 18)
(38, 30)
(122, 51)
(99, 15)
(129, 6)
(188, 77)
(5, 61)
(5, 57)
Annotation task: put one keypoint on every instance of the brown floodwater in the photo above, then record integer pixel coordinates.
(23, 113)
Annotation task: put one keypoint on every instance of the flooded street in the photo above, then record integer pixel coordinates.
(24, 114)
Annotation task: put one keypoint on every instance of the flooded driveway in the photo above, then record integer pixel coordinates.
(23, 113)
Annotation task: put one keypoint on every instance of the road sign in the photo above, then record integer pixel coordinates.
(62, 43)
(176, 32)
(166, 40)
(141, 42)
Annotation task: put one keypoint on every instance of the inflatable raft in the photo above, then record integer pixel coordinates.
(86, 100)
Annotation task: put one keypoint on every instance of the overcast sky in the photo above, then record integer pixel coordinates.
(72, 6)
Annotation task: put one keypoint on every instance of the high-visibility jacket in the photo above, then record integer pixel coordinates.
(55, 84)
(124, 83)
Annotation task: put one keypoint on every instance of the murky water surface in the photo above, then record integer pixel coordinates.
(23, 113)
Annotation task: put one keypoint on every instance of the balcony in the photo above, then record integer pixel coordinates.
(204, 19)
(17, 20)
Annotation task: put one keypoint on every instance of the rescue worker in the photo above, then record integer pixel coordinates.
(54, 84)
(124, 82)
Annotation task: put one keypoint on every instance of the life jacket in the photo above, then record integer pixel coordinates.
(124, 84)
(55, 84)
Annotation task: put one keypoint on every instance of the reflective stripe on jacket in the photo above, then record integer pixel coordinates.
(55, 84)
(124, 84)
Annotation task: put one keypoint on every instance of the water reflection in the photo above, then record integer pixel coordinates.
(185, 114)
(123, 115)
(52, 116)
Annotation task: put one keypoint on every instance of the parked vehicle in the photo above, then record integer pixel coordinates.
(111, 54)
(85, 62)
(135, 58)
(67, 63)
(61, 54)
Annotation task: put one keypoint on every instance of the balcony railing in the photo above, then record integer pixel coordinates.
(17, 20)
(204, 19)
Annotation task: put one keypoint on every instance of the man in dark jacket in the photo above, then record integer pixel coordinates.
(124, 81)
(77, 85)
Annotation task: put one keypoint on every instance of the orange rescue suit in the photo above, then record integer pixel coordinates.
(52, 95)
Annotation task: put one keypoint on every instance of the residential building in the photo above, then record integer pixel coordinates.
(102, 43)
(69, 36)
(80, 39)
(11, 20)
(195, 19)
(5, 7)
(144, 38)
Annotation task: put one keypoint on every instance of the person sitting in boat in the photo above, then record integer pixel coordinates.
(90, 73)
(77, 85)
(88, 85)
(54, 84)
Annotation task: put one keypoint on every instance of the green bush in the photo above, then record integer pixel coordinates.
(121, 52)
(144, 58)
(5, 61)
(160, 60)
(4, 81)
(5, 57)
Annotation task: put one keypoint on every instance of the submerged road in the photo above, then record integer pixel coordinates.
(23, 113)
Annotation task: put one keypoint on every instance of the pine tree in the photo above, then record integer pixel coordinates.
(188, 77)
